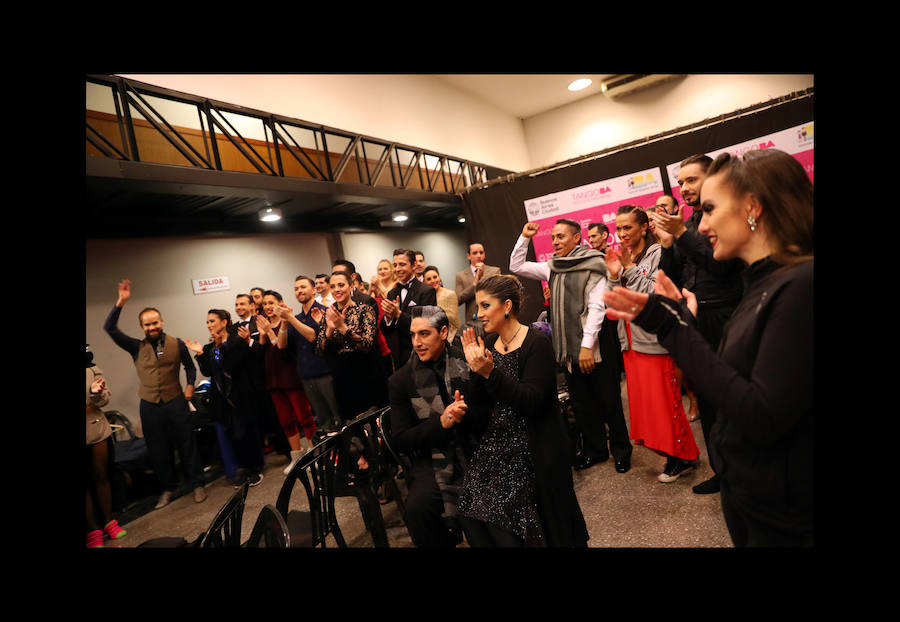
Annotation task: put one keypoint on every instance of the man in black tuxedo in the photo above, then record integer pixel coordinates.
(245, 327)
(409, 292)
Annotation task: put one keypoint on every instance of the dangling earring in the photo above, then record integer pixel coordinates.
(752, 222)
(506, 316)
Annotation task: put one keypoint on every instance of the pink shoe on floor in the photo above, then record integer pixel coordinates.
(95, 539)
(113, 531)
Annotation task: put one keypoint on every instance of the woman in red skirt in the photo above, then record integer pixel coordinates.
(282, 382)
(656, 413)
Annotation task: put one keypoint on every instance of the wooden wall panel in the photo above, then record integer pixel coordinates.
(154, 147)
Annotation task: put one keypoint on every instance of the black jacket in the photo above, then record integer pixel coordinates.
(534, 396)
(397, 333)
(232, 392)
(761, 383)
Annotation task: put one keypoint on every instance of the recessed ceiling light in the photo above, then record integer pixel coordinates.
(399, 216)
(579, 84)
(270, 214)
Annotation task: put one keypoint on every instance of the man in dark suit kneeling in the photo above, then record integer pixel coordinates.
(432, 423)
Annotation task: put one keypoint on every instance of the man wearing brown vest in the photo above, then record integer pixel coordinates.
(165, 416)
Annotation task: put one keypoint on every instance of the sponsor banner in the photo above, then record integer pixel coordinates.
(211, 284)
(797, 141)
(595, 202)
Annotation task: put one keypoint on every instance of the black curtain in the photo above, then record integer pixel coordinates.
(495, 215)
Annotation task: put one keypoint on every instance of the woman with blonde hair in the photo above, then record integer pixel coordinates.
(384, 279)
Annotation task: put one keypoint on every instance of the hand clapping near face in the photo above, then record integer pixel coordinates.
(480, 360)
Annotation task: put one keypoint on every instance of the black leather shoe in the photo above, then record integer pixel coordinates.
(708, 487)
(583, 462)
(622, 466)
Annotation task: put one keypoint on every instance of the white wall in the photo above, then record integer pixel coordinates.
(416, 110)
(597, 122)
(444, 251)
(161, 271)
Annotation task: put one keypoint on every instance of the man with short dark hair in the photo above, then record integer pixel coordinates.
(577, 276)
(257, 294)
(408, 293)
(164, 411)
(419, 267)
(323, 291)
(467, 279)
(313, 370)
(429, 419)
(598, 236)
(687, 258)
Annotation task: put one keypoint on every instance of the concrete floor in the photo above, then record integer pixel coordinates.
(630, 510)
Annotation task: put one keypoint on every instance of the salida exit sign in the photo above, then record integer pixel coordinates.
(210, 284)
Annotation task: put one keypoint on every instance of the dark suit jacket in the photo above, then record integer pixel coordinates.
(232, 400)
(397, 333)
(256, 362)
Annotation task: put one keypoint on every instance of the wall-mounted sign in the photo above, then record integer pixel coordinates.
(211, 284)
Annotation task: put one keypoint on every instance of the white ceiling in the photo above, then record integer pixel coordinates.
(525, 95)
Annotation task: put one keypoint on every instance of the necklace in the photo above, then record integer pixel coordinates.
(506, 343)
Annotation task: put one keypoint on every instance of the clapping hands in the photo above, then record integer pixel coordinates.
(480, 359)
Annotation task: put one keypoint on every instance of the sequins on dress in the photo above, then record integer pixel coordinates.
(498, 487)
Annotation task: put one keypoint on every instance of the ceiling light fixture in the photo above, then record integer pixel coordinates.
(461, 219)
(581, 83)
(270, 214)
(399, 217)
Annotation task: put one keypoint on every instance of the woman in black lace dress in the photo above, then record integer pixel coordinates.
(518, 488)
(347, 341)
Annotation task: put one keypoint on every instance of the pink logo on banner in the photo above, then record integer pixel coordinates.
(543, 246)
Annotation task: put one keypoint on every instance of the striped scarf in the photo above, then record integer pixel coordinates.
(571, 279)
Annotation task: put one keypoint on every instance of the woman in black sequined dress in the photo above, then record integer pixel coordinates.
(518, 488)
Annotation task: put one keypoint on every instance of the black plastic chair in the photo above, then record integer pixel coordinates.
(316, 471)
(223, 532)
(396, 463)
(270, 531)
(359, 438)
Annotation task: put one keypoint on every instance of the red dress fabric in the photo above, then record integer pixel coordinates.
(656, 413)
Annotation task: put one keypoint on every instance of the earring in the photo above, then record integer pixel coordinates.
(752, 222)
(506, 316)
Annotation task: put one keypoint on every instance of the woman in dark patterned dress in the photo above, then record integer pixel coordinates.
(518, 488)
(347, 341)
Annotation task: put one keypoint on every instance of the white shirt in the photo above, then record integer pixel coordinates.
(403, 292)
(327, 301)
(541, 271)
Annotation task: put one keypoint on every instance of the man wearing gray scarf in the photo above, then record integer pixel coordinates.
(430, 397)
(577, 275)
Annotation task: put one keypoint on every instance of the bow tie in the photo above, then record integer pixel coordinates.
(405, 285)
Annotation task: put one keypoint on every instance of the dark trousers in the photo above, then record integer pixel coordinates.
(424, 509)
(597, 402)
(747, 531)
(248, 450)
(711, 321)
(168, 427)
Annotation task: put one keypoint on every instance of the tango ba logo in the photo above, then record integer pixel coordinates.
(805, 134)
(590, 194)
(640, 182)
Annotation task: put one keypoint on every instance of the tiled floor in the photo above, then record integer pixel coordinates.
(630, 510)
